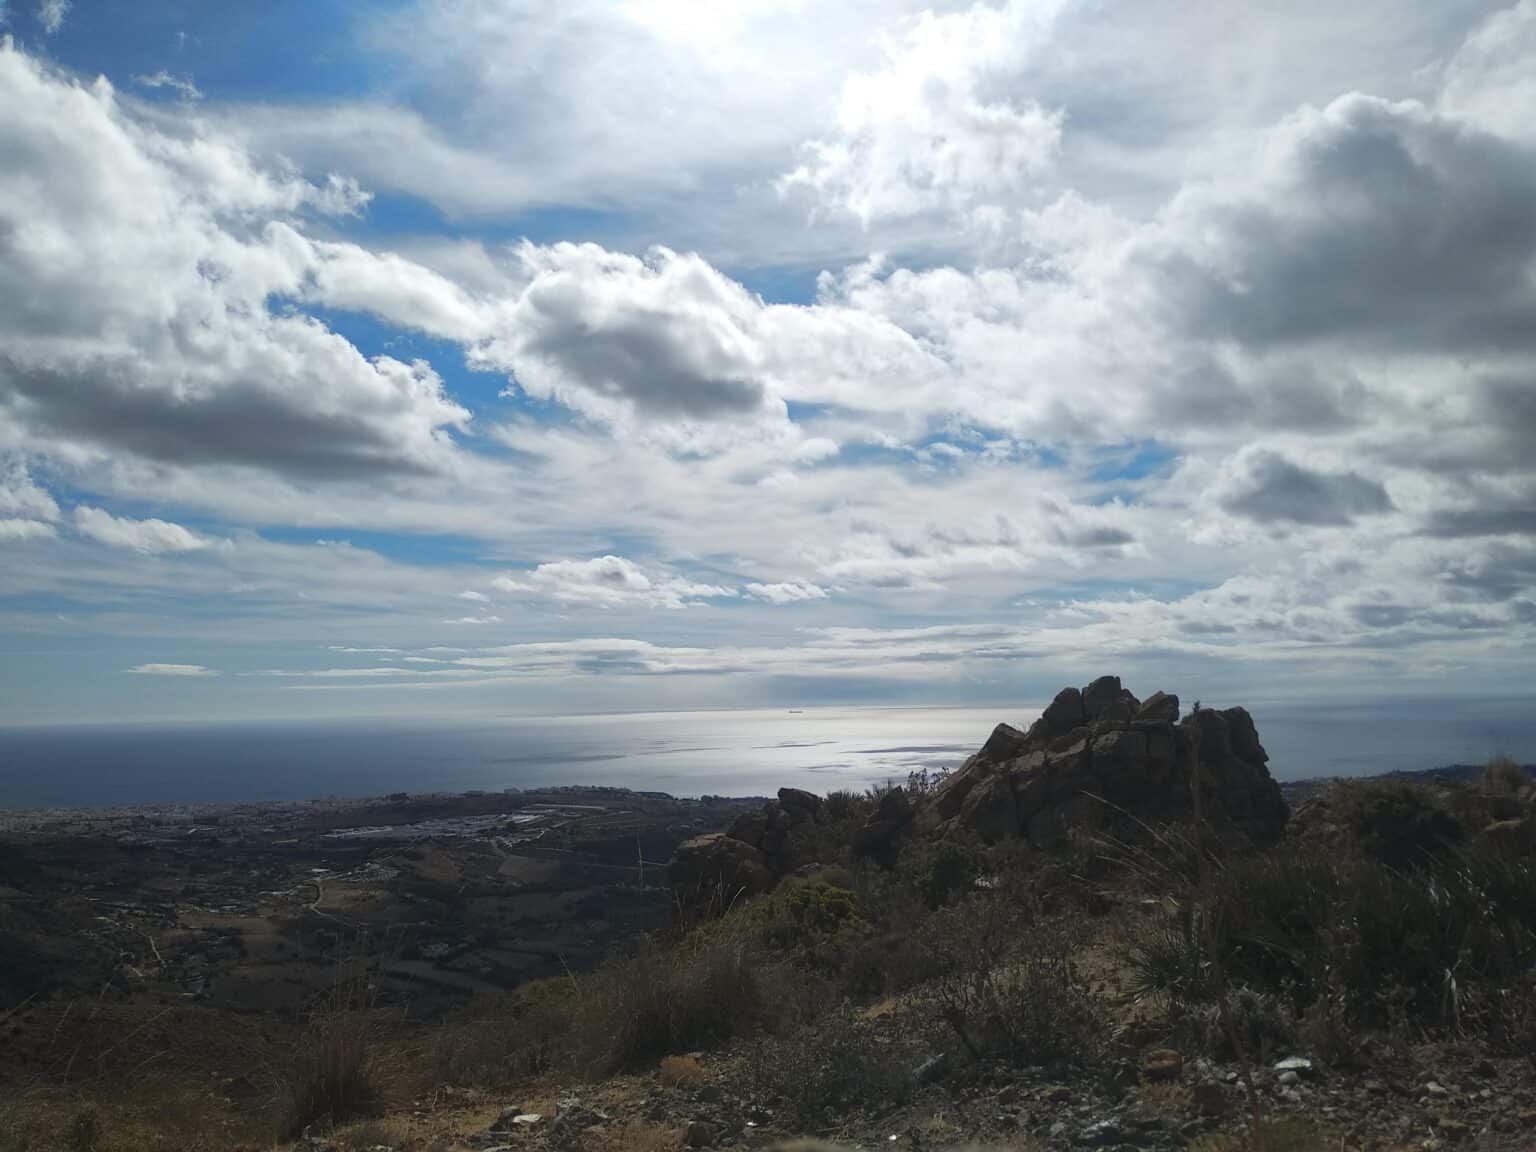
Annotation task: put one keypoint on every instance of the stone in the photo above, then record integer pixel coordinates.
(717, 867)
(799, 803)
(1099, 695)
(881, 834)
(1005, 743)
(989, 811)
(1211, 1099)
(1162, 1064)
(1064, 713)
(1298, 1064)
(749, 827)
(1058, 1094)
(1451, 1129)
(1159, 706)
(1116, 714)
(1119, 753)
(710, 1094)
(700, 1134)
(1288, 1078)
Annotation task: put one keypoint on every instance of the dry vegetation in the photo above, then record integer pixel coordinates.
(1393, 916)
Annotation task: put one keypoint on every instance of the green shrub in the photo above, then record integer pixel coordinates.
(809, 921)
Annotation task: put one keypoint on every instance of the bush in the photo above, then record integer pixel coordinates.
(1400, 823)
(1426, 944)
(1008, 986)
(810, 922)
(332, 1075)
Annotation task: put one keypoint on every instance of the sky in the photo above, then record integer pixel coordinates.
(473, 357)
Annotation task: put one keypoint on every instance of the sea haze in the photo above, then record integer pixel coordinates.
(684, 753)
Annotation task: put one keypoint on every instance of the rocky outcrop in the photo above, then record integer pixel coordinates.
(1097, 755)
(752, 854)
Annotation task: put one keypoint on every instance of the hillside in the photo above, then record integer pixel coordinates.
(1112, 930)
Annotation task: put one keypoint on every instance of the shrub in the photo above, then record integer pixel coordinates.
(332, 1075)
(1008, 987)
(844, 805)
(1504, 777)
(1400, 823)
(706, 988)
(809, 921)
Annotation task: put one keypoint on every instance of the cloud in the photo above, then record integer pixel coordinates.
(608, 582)
(26, 511)
(1265, 486)
(140, 535)
(474, 620)
(51, 13)
(12, 528)
(476, 597)
(668, 334)
(181, 85)
(786, 593)
(139, 314)
(933, 129)
(172, 670)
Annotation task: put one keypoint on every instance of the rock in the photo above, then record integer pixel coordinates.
(799, 803)
(880, 835)
(1453, 1130)
(1063, 713)
(750, 827)
(700, 1134)
(717, 867)
(1005, 743)
(1432, 1088)
(929, 1069)
(1057, 1094)
(1099, 695)
(1288, 1078)
(1102, 1133)
(1116, 714)
(1159, 706)
(1162, 1064)
(989, 812)
(1298, 1064)
(709, 1094)
(1211, 1099)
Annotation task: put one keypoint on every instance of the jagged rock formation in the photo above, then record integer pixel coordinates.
(1097, 758)
(752, 853)
(1099, 753)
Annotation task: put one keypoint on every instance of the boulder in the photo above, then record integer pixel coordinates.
(1062, 714)
(950, 795)
(717, 866)
(881, 833)
(1159, 706)
(989, 812)
(1099, 695)
(799, 804)
(1099, 756)
(750, 827)
(1005, 743)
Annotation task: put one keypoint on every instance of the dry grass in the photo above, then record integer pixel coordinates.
(1285, 1135)
(681, 1072)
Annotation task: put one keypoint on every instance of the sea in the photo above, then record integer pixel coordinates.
(728, 753)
